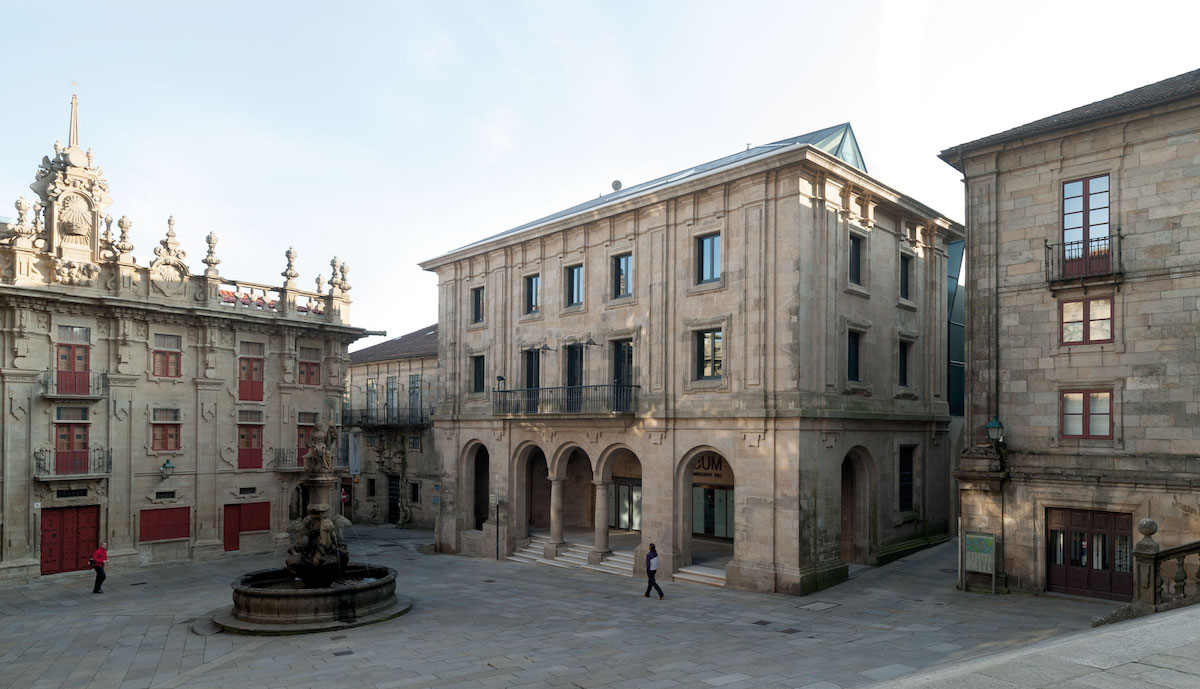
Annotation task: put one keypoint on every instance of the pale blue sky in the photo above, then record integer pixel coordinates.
(389, 133)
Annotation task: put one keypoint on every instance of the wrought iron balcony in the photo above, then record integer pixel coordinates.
(1099, 257)
(288, 459)
(576, 399)
(387, 416)
(64, 464)
(74, 384)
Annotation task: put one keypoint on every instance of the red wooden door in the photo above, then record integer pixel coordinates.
(70, 448)
(250, 379)
(249, 446)
(233, 527)
(69, 537)
(74, 365)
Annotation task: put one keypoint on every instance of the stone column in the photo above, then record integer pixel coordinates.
(601, 547)
(556, 517)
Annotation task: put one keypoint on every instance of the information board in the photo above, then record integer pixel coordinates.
(979, 552)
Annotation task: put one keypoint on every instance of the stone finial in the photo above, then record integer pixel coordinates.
(57, 147)
(333, 276)
(1147, 527)
(290, 273)
(37, 217)
(211, 259)
(123, 246)
(90, 155)
(170, 243)
(22, 206)
(320, 283)
(344, 283)
(108, 221)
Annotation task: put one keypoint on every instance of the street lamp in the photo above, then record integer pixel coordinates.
(995, 432)
(166, 469)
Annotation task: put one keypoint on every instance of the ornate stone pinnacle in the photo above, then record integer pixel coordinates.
(211, 259)
(123, 246)
(107, 231)
(57, 147)
(290, 272)
(90, 155)
(169, 242)
(171, 226)
(22, 206)
(344, 283)
(333, 276)
(320, 283)
(37, 217)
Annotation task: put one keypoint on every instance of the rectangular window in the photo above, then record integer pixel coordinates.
(478, 380)
(477, 305)
(574, 285)
(414, 493)
(710, 354)
(166, 356)
(1087, 321)
(902, 364)
(309, 370)
(855, 260)
(247, 490)
(1085, 226)
(906, 264)
(370, 488)
(72, 493)
(853, 342)
(250, 372)
(708, 258)
(391, 395)
(71, 448)
(164, 428)
(1087, 414)
(71, 414)
(622, 276)
(159, 525)
(164, 495)
(250, 446)
(904, 476)
(533, 284)
(414, 442)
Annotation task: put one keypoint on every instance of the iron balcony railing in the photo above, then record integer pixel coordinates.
(287, 459)
(1096, 257)
(575, 399)
(387, 416)
(80, 384)
(94, 462)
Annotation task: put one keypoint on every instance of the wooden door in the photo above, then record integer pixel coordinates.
(74, 365)
(69, 537)
(233, 527)
(1089, 553)
(250, 379)
(70, 448)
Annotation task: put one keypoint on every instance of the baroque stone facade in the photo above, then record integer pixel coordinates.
(749, 353)
(390, 395)
(143, 405)
(1084, 249)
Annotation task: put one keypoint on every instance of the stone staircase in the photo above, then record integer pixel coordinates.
(698, 574)
(574, 557)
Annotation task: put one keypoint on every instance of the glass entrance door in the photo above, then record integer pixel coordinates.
(625, 506)
(712, 511)
(1089, 553)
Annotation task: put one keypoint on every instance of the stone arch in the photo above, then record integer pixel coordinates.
(562, 456)
(605, 460)
(857, 506)
(520, 500)
(474, 459)
(684, 497)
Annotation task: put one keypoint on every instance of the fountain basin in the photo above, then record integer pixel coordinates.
(273, 601)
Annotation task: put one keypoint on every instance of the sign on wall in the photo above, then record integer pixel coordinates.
(979, 552)
(712, 469)
(355, 452)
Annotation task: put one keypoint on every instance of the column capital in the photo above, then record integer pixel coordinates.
(600, 482)
(557, 479)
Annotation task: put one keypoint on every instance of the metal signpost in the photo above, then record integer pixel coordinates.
(979, 554)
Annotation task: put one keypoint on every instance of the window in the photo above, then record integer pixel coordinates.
(370, 488)
(902, 364)
(306, 421)
(906, 266)
(164, 429)
(309, 372)
(1085, 226)
(855, 260)
(904, 480)
(250, 436)
(477, 305)
(1087, 414)
(166, 356)
(72, 493)
(71, 442)
(708, 258)
(853, 343)
(159, 525)
(247, 490)
(478, 380)
(414, 442)
(372, 393)
(414, 493)
(622, 276)
(73, 360)
(532, 284)
(574, 285)
(164, 495)
(74, 334)
(250, 372)
(709, 354)
(1087, 321)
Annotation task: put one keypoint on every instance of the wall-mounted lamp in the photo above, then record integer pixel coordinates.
(547, 348)
(995, 432)
(499, 379)
(591, 343)
(166, 469)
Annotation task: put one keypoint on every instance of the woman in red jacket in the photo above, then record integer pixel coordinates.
(99, 559)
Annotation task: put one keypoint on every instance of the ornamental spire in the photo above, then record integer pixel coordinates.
(73, 134)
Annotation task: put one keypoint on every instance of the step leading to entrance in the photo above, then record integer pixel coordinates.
(698, 574)
(575, 556)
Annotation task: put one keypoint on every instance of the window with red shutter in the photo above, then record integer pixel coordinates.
(158, 525)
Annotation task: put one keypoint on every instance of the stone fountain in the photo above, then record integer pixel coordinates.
(319, 589)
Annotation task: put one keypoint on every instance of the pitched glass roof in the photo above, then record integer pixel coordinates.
(838, 141)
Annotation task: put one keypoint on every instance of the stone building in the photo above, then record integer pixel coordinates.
(1084, 249)
(161, 411)
(390, 394)
(750, 353)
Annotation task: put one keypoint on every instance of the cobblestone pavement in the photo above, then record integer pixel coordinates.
(481, 623)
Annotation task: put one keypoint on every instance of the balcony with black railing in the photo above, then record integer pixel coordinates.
(387, 416)
(288, 459)
(67, 464)
(77, 385)
(576, 399)
(1087, 260)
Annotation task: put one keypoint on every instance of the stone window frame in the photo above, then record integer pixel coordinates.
(899, 516)
(177, 422)
(613, 258)
(861, 288)
(692, 257)
(307, 369)
(1086, 179)
(911, 390)
(581, 305)
(691, 329)
(472, 356)
(414, 443)
(1086, 301)
(909, 302)
(477, 318)
(531, 310)
(863, 385)
(1087, 391)
(156, 350)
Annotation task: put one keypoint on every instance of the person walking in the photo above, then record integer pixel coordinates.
(99, 559)
(651, 570)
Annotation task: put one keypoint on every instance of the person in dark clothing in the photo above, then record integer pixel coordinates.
(99, 559)
(651, 570)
